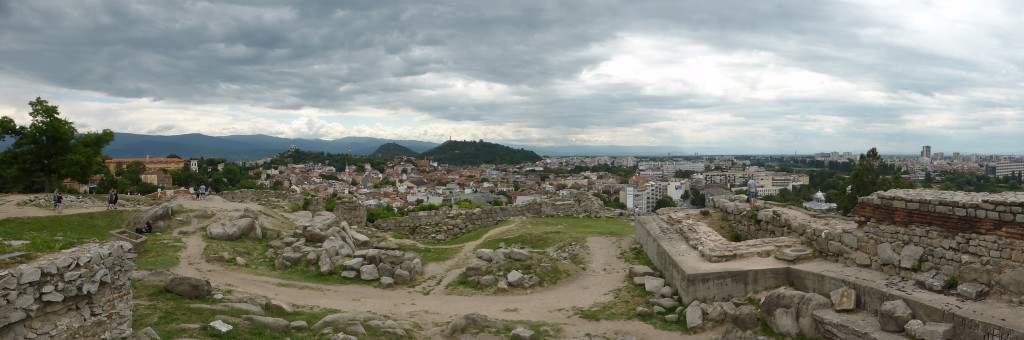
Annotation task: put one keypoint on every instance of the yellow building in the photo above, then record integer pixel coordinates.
(151, 163)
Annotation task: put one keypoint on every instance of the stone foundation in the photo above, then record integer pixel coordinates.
(79, 293)
(450, 222)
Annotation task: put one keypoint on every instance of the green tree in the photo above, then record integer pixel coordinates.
(664, 202)
(865, 179)
(47, 150)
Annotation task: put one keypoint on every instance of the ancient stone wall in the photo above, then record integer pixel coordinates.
(349, 210)
(262, 196)
(80, 293)
(450, 222)
(973, 237)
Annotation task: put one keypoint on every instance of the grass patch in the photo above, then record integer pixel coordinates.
(430, 255)
(48, 234)
(164, 311)
(623, 307)
(543, 233)
(159, 255)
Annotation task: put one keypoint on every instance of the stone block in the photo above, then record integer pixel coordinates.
(910, 255)
(653, 284)
(894, 315)
(972, 290)
(1012, 281)
(844, 299)
(885, 254)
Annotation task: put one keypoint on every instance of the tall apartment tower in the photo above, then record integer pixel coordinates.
(926, 151)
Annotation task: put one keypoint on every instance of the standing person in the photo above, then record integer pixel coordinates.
(751, 191)
(58, 202)
(202, 191)
(110, 199)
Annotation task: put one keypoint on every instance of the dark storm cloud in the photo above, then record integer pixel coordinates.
(522, 62)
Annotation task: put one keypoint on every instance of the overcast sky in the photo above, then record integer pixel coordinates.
(703, 76)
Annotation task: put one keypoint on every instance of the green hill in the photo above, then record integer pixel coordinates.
(392, 150)
(478, 152)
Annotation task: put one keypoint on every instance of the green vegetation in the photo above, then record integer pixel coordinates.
(432, 254)
(387, 211)
(664, 202)
(623, 305)
(48, 150)
(49, 234)
(392, 150)
(479, 152)
(964, 181)
(159, 255)
(335, 160)
(542, 233)
(154, 307)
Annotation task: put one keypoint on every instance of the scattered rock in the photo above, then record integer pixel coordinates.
(1012, 281)
(220, 326)
(301, 324)
(471, 321)
(972, 290)
(522, 334)
(894, 315)
(188, 286)
(275, 324)
(641, 311)
(932, 280)
(279, 306)
(653, 284)
(666, 303)
(694, 315)
(909, 257)
(368, 273)
(844, 299)
(672, 318)
(745, 317)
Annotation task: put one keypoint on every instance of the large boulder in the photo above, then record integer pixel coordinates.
(368, 273)
(744, 317)
(154, 215)
(1012, 281)
(972, 290)
(885, 254)
(339, 319)
(276, 324)
(653, 284)
(476, 267)
(188, 286)
(641, 271)
(844, 299)
(235, 229)
(471, 321)
(932, 280)
(894, 315)
(909, 257)
(791, 312)
(694, 315)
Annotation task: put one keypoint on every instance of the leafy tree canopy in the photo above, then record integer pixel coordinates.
(47, 150)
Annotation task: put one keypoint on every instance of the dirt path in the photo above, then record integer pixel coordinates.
(604, 273)
(9, 208)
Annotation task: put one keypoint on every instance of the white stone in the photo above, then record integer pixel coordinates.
(220, 326)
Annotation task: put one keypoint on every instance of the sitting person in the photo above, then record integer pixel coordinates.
(146, 229)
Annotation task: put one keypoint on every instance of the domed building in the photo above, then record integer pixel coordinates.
(819, 203)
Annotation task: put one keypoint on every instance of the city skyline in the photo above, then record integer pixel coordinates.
(711, 78)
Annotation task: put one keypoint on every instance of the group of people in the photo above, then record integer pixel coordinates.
(58, 202)
(112, 199)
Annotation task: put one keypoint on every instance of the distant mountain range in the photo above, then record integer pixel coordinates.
(252, 147)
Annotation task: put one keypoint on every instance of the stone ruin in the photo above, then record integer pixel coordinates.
(450, 222)
(333, 247)
(880, 264)
(79, 293)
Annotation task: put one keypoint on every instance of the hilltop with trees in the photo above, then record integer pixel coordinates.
(392, 150)
(479, 152)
